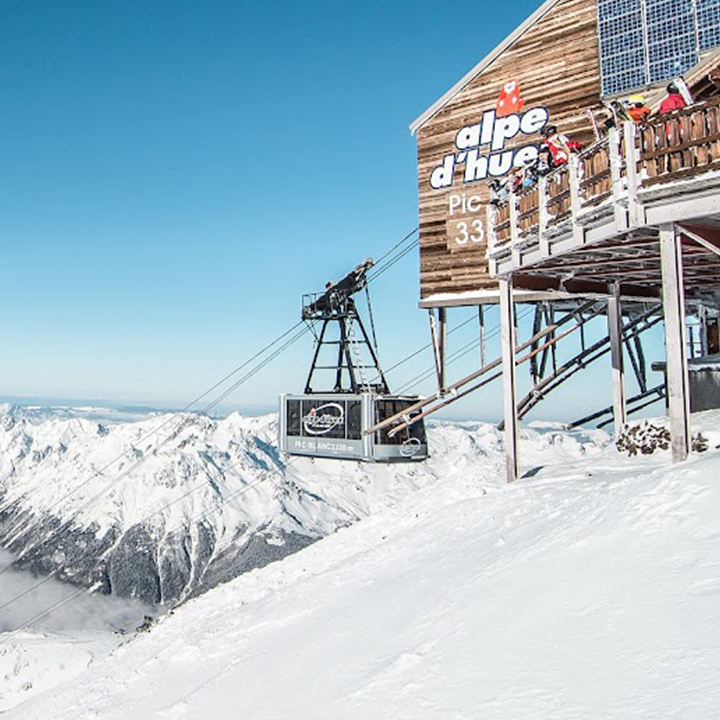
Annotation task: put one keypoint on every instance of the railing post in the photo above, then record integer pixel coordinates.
(491, 239)
(543, 240)
(575, 200)
(514, 229)
(635, 210)
(621, 217)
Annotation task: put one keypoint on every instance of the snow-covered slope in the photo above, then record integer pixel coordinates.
(587, 591)
(195, 501)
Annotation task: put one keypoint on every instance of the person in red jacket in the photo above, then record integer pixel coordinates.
(557, 144)
(674, 100)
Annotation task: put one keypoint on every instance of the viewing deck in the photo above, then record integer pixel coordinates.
(595, 221)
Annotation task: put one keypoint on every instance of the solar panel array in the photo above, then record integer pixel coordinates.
(644, 41)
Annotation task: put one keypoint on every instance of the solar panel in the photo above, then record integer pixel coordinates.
(622, 44)
(645, 41)
(708, 20)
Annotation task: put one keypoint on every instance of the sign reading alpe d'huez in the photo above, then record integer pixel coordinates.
(481, 147)
(481, 152)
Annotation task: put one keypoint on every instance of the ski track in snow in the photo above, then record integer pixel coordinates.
(589, 590)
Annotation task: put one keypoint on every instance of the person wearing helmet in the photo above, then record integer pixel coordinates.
(674, 100)
(637, 109)
(557, 144)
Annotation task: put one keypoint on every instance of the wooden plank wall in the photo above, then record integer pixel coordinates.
(557, 65)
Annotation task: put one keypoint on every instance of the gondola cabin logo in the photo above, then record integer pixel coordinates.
(321, 420)
(410, 447)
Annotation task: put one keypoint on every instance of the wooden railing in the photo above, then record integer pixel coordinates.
(606, 178)
(681, 144)
(595, 174)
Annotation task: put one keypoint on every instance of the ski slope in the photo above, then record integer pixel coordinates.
(589, 590)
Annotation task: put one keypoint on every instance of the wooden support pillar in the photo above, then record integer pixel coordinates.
(438, 333)
(675, 341)
(509, 342)
(614, 311)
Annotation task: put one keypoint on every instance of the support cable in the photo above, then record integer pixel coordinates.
(65, 527)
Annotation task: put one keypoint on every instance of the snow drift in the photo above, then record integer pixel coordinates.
(589, 591)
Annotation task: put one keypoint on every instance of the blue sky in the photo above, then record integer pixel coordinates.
(176, 175)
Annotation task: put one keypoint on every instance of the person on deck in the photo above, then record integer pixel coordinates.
(558, 145)
(674, 100)
(498, 191)
(637, 109)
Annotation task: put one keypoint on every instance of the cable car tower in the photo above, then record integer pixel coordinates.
(346, 392)
(336, 307)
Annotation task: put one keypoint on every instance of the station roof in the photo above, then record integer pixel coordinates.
(654, 95)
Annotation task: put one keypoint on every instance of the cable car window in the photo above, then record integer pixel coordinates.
(293, 417)
(323, 418)
(417, 430)
(388, 408)
(354, 420)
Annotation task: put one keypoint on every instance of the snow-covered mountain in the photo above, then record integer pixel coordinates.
(170, 506)
(588, 590)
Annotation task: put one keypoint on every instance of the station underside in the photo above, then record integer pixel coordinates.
(635, 218)
(633, 262)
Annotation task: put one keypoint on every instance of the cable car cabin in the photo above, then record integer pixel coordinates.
(333, 425)
(346, 393)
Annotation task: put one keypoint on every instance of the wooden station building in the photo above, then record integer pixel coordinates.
(628, 227)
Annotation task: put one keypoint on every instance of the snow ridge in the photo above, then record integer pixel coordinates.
(203, 500)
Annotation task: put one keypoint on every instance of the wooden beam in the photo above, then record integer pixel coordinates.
(675, 341)
(438, 336)
(454, 387)
(508, 342)
(699, 240)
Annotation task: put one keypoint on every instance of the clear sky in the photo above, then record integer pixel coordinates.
(175, 175)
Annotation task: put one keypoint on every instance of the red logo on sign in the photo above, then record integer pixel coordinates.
(509, 101)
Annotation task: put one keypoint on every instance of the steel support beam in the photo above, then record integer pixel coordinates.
(616, 359)
(508, 342)
(675, 341)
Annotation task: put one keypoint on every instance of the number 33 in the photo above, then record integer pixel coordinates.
(465, 234)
